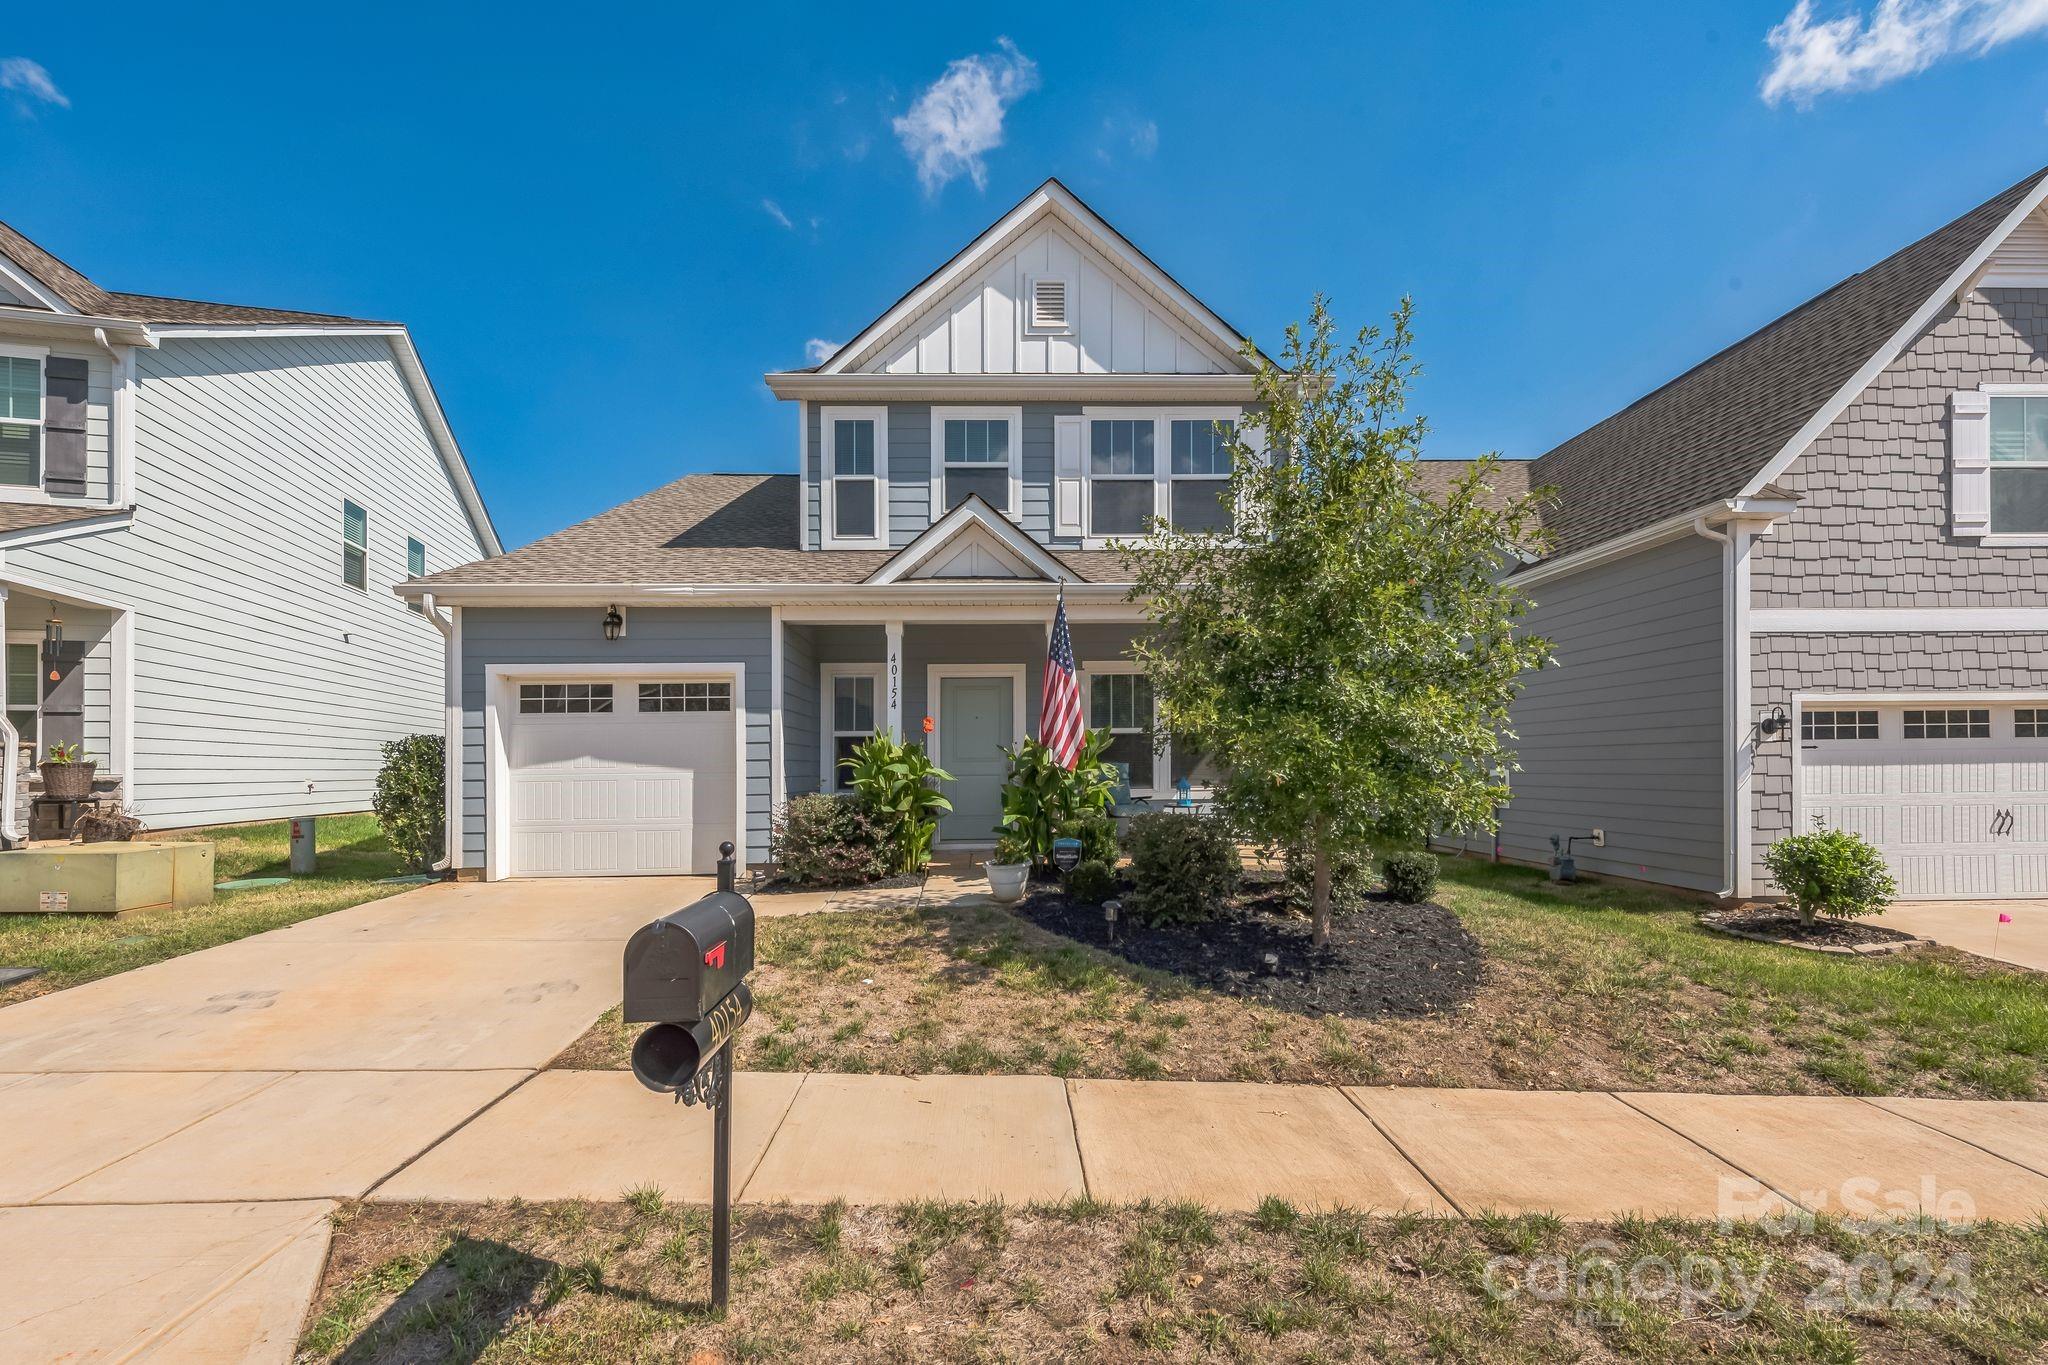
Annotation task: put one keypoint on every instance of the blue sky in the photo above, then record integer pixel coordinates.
(603, 227)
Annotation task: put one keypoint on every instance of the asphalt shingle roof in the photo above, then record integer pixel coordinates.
(81, 293)
(27, 516)
(707, 528)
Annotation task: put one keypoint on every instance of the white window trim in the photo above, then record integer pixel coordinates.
(33, 492)
(1163, 478)
(828, 529)
(1166, 421)
(1027, 315)
(1014, 416)
(347, 545)
(1970, 454)
(34, 638)
(828, 732)
(1162, 757)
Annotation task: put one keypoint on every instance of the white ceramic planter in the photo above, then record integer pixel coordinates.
(1006, 880)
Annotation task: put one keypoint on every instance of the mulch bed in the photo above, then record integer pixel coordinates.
(779, 887)
(1385, 959)
(1824, 934)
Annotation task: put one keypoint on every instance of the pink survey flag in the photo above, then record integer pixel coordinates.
(2004, 918)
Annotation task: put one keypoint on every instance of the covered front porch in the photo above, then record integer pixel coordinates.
(66, 686)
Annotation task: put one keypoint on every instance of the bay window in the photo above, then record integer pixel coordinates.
(855, 461)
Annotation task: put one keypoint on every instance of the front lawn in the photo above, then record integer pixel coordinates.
(78, 948)
(1585, 987)
(1081, 1281)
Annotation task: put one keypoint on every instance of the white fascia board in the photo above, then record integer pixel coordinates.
(957, 388)
(19, 281)
(791, 596)
(1760, 513)
(970, 513)
(1054, 200)
(1956, 284)
(78, 326)
(416, 379)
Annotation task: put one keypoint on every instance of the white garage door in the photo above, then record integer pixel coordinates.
(622, 777)
(1955, 796)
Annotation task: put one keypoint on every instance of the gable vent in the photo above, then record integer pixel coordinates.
(1049, 303)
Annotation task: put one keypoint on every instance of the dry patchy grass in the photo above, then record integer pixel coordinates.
(1081, 1281)
(1586, 987)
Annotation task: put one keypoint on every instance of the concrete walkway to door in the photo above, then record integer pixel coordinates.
(175, 1137)
(1974, 927)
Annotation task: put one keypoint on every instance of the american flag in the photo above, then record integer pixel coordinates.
(1059, 711)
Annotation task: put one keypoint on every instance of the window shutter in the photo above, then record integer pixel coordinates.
(1066, 480)
(64, 383)
(1969, 463)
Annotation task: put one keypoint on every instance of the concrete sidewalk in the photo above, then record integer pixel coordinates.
(1227, 1145)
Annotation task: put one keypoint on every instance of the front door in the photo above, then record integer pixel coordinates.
(977, 716)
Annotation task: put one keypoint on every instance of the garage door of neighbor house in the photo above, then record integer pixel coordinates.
(621, 777)
(1955, 795)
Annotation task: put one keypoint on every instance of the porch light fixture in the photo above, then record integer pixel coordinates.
(614, 624)
(1771, 725)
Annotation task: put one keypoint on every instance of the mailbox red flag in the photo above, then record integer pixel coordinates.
(716, 957)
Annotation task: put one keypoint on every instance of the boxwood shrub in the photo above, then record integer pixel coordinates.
(1183, 867)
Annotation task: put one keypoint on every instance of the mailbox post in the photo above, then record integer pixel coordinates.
(686, 977)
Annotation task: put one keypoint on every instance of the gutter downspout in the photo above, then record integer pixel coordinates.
(451, 741)
(11, 832)
(1731, 737)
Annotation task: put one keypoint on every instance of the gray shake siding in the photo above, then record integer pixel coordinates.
(1871, 529)
(1625, 731)
(499, 636)
(1782, 665)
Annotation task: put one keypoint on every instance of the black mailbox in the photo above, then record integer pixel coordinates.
(682, 965)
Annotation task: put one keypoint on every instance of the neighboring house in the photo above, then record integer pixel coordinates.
(1808, 580)
(203, 508)
(1046, 389)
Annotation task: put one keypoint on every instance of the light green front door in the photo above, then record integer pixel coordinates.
(977, 716)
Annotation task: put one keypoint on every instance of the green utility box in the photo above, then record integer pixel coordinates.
(106, 879)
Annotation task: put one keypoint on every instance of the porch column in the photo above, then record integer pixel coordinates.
(778, 777)
(893, 633)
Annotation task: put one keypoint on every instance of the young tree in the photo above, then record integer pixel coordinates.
(1348, 659)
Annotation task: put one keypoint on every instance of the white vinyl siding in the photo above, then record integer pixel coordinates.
(262, 685)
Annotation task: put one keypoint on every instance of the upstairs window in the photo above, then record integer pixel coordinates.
(416, 567)
(1201, 474)
(1121, 476)
(21, 421)
(355, 547)
(977, 455)
(2019, 466)
(856, 488)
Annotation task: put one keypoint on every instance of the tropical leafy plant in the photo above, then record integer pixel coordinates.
(1831, 872)
(409, 800)
(1346, 662)
(61, 754)
(1042, 797)
(895, 779)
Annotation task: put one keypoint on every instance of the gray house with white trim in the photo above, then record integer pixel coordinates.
(1807, 580)
(203, 510)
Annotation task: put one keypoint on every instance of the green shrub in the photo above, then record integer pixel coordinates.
(1350, 880)
(1831, 872)
(826, 840)
(1183, 867)
(1091, 882)
(895, 778)
(1097, 834)
(1410, 877)
(1043, 797)
(411, 799)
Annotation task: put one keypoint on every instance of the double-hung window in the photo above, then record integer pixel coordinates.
(850, 699)
(1122, 475)
(21, 418)
(24, 686)
(1201, 474)
(355, 546)
(2019, 465)
(416, 567)
(856, 460)
(1121, 702)
(977, 453)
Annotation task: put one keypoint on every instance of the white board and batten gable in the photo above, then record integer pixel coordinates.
(1051, 289)
(973, 540)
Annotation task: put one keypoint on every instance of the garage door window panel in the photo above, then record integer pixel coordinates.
(1821, 725)
(565, 699)
(2030, 723)
(1950, 723)
(686, 696)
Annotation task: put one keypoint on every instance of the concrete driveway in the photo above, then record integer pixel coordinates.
(176, 1136)
(1973, 926)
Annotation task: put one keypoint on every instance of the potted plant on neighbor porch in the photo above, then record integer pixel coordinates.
(66, 776)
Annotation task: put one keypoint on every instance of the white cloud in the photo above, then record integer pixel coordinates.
(774, 210)
(959, 116)
(1145, 137)
(1899, 38)
(818, 350)
(30, 83)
